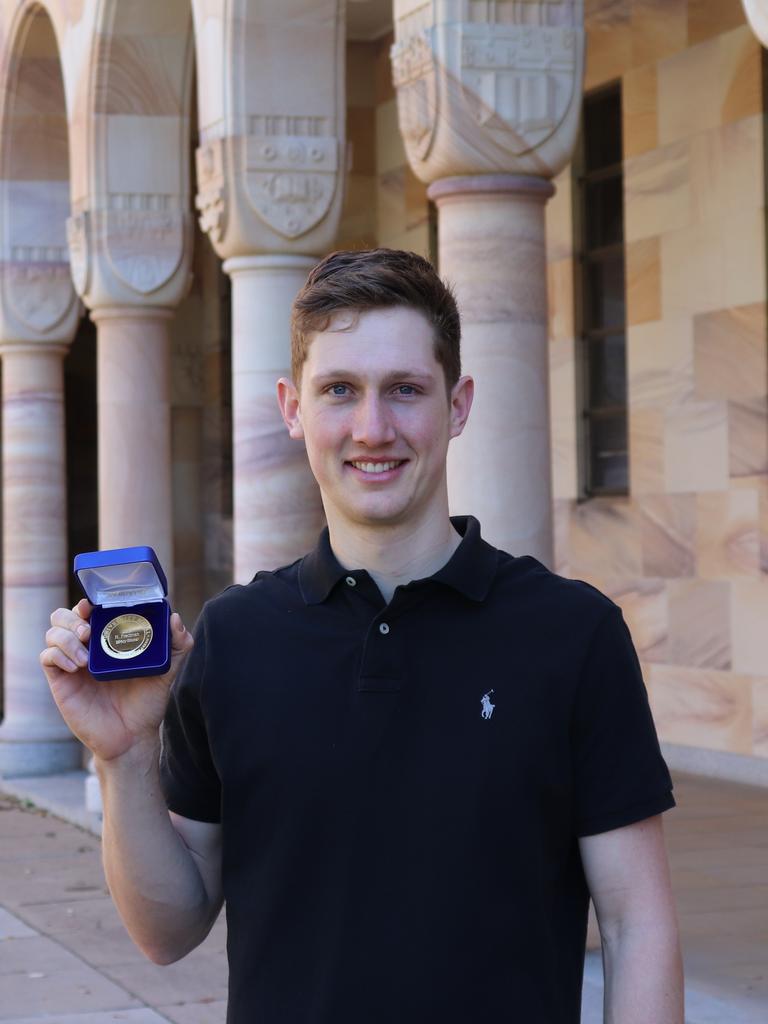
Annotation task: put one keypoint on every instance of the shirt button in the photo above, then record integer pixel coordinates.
(351, 581)
(384, 628)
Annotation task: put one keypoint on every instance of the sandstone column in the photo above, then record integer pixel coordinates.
(275, 498)
(39, 316)
(488, 102)
(133, 355)
(134, 386)
(270, 188)
(757, 16)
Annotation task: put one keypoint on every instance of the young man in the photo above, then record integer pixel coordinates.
(406, 760)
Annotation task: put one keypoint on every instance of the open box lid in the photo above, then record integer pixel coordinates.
(121, 576)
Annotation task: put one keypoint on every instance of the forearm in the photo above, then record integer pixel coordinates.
(643, 971)
(152, 876)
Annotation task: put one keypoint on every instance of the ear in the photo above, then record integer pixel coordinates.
(462, 394)
(288, 400)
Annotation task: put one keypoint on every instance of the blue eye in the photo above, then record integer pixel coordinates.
(338, 389)
(406, 389)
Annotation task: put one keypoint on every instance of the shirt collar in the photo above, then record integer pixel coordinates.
(470, 569)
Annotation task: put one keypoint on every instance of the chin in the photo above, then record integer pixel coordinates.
(371, 515)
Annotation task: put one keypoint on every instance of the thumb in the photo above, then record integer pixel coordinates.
(181, 638)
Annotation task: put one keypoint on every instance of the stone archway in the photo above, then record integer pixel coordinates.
(130, 242)
(39, 312)
(35, 180)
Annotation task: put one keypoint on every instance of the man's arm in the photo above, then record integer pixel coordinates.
(163, 870)
(628, 877)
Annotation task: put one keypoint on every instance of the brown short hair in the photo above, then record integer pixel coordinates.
(359, 280)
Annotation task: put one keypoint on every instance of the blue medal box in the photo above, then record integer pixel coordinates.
(126, 587)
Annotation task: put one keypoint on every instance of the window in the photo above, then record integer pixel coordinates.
(600, 295)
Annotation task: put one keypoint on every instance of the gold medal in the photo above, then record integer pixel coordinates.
(126, 636)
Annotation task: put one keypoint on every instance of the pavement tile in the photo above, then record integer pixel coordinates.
(24, 821)
(75, 991)
(592, 989)
(727, 925)
(12, 928)
(51, 844)
(89, 927)
(725, 898)
(202, 1013)
(703, 1007)
(93, 929)
(198, 976)
(143, 1016)
(35, 955)
(703, 858)
(76, 876)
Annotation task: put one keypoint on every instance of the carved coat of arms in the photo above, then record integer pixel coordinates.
(145, 247)
(292, 179)
(40, 294)
(519, 80)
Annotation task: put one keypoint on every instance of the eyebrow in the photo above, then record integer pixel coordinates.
(394, 375)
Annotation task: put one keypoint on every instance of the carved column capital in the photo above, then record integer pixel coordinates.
(757, 16)
(130, 250)
(37, 300)
(273, 190)
(488, 88)
(272, 158)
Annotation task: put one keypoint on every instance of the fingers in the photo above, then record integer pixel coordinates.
(54, 657)
(73, 619)
(63, 639)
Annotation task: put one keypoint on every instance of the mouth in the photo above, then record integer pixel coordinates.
(379, 469)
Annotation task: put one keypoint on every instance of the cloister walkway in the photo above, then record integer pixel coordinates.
(65, 959)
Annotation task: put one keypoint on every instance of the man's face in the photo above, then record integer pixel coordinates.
(375, 416)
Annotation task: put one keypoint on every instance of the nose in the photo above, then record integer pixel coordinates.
(372, 424)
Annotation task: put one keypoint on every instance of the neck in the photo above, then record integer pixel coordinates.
(395, 554)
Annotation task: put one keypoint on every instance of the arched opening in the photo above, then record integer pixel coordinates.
(39, 307)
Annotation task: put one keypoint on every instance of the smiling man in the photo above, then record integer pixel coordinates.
(406, 760)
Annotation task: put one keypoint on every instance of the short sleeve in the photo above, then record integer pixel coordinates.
(620, 774)
(188, 775)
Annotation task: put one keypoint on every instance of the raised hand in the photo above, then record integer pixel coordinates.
(109, 717)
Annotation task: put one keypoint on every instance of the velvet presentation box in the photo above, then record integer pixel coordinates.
(131, 617)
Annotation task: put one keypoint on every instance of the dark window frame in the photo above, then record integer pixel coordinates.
(590, 328)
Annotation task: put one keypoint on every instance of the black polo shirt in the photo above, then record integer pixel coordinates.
(401, 786)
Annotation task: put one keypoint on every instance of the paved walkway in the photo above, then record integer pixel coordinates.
(65, 959)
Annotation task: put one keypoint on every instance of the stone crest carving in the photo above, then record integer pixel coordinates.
(210, 200)
(79, 258)
(519, 80)
(144, 247)
(414, 75)
(488, 86)
(39, 293)
(291, 178)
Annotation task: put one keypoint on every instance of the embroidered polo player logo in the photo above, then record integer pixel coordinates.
(485, 701)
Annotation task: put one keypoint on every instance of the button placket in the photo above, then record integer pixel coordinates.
(381, 668)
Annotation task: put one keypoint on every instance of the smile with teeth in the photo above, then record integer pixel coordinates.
(377, 467)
